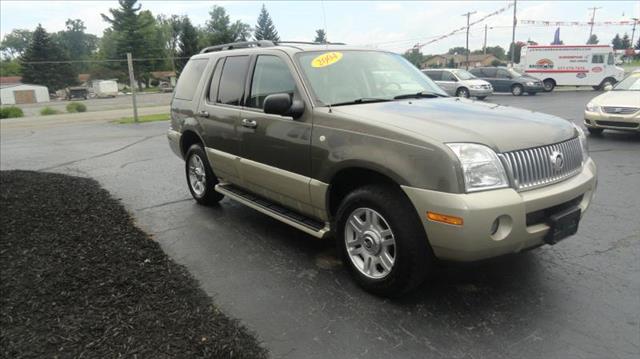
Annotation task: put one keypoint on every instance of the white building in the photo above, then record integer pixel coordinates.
(16, 94)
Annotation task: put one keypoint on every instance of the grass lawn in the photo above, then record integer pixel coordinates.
(145, 118)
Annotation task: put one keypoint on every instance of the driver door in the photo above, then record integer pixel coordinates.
(274, 149)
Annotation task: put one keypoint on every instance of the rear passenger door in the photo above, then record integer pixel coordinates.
(219, 114)
(275, 149)
(490, 75)
(449, 83)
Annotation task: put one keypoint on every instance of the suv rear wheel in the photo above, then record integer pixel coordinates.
(200, 177)
(385, 249)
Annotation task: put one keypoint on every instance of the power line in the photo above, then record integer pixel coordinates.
(103, 60)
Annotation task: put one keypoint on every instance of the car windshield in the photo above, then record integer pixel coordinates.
(630, 83)
(464, 75)
(342, 77)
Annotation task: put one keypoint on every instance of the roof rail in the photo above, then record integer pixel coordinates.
(309, 43)
(237, 45)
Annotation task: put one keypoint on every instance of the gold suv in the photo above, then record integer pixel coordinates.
(617, 109)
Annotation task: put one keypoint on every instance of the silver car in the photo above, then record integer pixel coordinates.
(460, 83)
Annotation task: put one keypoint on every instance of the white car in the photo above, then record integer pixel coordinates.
(617, 109)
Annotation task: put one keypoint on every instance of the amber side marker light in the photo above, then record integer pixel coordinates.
(437, 217)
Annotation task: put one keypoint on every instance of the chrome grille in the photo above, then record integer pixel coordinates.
(620, 110)
(534, 167)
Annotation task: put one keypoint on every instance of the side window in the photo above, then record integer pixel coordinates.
(215, 81)
(597, 59)
(610, 59)
(448, 76)
(270, 76)
(489, 72)
(434, 75)
(189, 79)
(234, 74)
(502, 74)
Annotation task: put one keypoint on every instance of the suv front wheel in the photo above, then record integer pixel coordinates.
(385, 249)
(200, 177)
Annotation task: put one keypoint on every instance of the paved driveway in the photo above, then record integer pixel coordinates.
(578, 299)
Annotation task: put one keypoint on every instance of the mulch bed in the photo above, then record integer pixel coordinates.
(78, 279)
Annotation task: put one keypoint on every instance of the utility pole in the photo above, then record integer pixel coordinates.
(633, 32)
(468, 15)
(132, 84)
(484, 46)
(513, 34)
(593, 17)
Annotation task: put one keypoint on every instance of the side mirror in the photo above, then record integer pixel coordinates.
(608, 87)
(281, 104)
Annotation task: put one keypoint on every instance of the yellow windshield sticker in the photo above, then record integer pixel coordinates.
(326, 59)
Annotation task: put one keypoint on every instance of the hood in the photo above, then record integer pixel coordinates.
(618, 98)
(459, 120)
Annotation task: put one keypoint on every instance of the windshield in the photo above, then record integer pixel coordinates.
(464, 75)
(347, 76)
(630, 83)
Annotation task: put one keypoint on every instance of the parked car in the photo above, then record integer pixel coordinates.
(617, 109)
(311, 136)
(77, 92)
(460, 83)
(504, 79)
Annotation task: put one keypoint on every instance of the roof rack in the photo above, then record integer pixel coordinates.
(238, 45)
(309, 43)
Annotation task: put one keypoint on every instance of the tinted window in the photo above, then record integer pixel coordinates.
(503, 74)
(234, 73)
(189, 79)
(477, 72)
(434, 75)
(271, 76)
(215, 81)
(488, 72)
(597, 59)
(448, 76)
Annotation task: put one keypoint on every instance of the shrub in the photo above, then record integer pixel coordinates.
(48, 111)
(11, 112)
(76, 107)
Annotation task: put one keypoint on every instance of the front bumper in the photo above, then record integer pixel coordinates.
(174, 141)
(480, 92)
(612, 121)
(473, 239)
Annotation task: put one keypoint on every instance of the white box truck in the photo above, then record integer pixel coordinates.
(105, 88)
(570, 65)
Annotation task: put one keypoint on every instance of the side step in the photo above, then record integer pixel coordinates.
(260, 204)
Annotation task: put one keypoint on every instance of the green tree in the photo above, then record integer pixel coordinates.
(131, 29)
(219, 29)
(458, 49)
(321, 36)
(496, 51)
(15, 43)
(593, 40)
(414, 56)
(44, 63)
(10, 67)
(188, 45)
(169, 29)
(77, 43)
(107, 49)
(626, 42)
(265, 29)
(617, 42)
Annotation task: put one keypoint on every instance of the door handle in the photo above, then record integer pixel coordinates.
(204, 113)
(249, 123)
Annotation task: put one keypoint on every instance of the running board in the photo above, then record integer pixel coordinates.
(294, 219)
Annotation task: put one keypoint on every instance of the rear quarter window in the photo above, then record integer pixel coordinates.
(189, 79)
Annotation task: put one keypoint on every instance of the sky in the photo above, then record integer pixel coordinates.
(394, 26)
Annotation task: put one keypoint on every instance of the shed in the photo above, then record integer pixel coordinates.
(16, 94)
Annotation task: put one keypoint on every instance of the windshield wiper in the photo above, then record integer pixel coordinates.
(361, 100)
(425, 94)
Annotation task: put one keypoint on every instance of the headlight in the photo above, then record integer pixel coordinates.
(530, 83)
(476, 87)
(481, 167)
(592, 107)
(583, 142)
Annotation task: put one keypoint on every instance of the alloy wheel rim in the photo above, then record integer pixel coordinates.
(197, 175)
(370, 243)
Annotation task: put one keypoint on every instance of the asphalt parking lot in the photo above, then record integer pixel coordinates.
(577, 299)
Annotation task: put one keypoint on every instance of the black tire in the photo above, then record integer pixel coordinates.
(597, 88)
(517, 90)
(595, 131)
(208, 196)
(412, 252)
(463, 92)
(605, 82)
(481, 98)
(549, 85)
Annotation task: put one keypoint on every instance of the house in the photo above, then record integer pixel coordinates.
(18, 93)
(459, 61)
